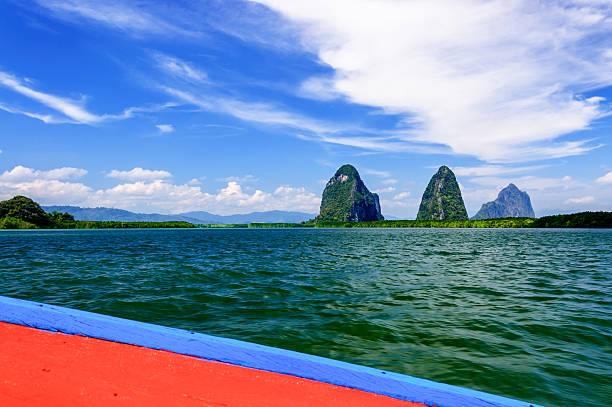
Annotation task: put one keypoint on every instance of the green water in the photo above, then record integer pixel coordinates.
(520, 313)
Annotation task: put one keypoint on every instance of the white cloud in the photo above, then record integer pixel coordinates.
(384, 190)
(389, 181)
(194, 181)
(530, 182)
(319, 131)
(73, 110)
(46, 118)
(549, 195)
(129, 17)
(162, 196)
(68, 107)
(605, 179)
(149, 191)
(241, 180)
(139, 174)
(46, 191)
(54, 187)
(318, 88)
(489, 170)
(499, 80)
(44, 186)
(179, 68)
(379, 173)
(296, 199)
(401, 208)
(580, 201)
(165, 128)
(21, 173)
(253, 112)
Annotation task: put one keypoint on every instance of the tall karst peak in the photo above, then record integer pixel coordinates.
(511, 202)
(442, 198)
(347, 199)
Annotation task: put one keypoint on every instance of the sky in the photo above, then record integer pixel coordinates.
(240, 106)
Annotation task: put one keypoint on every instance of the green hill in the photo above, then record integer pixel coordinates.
(347, 199)
(442, 198)
(22, 212)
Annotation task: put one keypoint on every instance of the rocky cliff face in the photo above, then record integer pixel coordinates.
(442, 198)
(510, 203)
(346, 198)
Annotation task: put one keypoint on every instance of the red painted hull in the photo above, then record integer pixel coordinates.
(40, 368)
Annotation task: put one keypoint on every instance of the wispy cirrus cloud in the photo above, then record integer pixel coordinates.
(498, 80)
(70, 110)
(179, 68)
(132, 17)
(46, 118)
(490, 170)
(317, 130)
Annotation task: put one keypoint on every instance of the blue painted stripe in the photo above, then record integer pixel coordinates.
(76, 322)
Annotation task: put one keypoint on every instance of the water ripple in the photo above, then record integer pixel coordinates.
(521, 313)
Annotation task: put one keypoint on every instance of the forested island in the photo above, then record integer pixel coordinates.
(21, 212)
(576, 220)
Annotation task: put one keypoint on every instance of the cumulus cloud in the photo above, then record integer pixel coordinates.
(165, 128)
(21, 173)
(150, 191)
(139, 174)
(44, 186)
(160, 195)
(605, 179)
(499, 80)
(580, 201)
(195, 181)
(46, 191)
(401, 195)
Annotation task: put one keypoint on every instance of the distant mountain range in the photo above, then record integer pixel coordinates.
(198, 217)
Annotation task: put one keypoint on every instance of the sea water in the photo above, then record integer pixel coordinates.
(521, 313)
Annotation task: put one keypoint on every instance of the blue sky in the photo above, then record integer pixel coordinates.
(233, 107)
